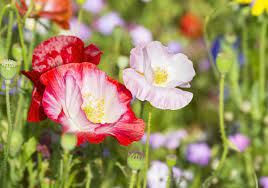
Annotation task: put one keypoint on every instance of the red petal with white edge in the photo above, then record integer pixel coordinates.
(92, 54)
(62, 102)
(57, 51)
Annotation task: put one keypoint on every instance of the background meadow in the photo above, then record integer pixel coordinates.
(201, 30)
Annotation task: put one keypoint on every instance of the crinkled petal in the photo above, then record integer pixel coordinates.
(92, 54)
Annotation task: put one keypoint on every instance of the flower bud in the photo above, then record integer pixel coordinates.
(68, 142)
(135, 160)
(224, 62)
(171, 160)
(122, 62)
(8, 68)
(17, 52)
(15, 142)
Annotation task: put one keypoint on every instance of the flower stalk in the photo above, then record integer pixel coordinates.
(133, 179)
(147, 149)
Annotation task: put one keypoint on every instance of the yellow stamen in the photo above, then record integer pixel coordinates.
(93, 108)
(160, 76)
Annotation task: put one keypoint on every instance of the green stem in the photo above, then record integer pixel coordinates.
(168, 185)
(262, 67)
(89, 176)
(245, 54)
(147, 149)
(133, 179)
(9, 31)
(222, 127)
(9, 134)
(139, 180)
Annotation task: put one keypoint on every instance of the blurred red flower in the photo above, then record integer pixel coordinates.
(58, 11)
(191, 25)
(51, 53)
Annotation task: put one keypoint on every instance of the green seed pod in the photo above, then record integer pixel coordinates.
(68, 142)
(16, 142)
(122, 62)
(135, 160)
(224, 62)
(8, 68)
(17, 52)
(171, 160)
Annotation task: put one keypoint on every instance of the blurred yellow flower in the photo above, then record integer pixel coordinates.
(243, 1)
(258, 6)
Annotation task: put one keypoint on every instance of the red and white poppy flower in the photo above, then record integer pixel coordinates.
(90, 104)
(58, 11)
(54, 52)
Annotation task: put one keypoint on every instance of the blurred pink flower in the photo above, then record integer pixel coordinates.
(155, 73)
(140, 35)
(240, 141)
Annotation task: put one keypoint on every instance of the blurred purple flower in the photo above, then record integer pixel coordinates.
(204, 65)
(108, 22)
(79, 29)
(174, 47)
(173, 139)
(106, 152)
(140, 34)
(264, 181)
(198, 153)
(94, 6)
(157, 140)
(44, 150)
(158, 174)
(240, 141)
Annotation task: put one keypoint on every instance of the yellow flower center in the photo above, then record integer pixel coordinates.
(93, 108)
(160, 76)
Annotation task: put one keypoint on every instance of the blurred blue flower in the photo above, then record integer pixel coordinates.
(264, 181)
(157, 140)
(217, 48)
(240, 141)
(94, 6)
(108, 22)
(173, 139)
(174, 47)
(204, 65)
(79, 29)
(198, 153)
(140, 35)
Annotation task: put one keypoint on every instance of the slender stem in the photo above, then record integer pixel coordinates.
(89, 176)
(262, 67)
(139, 180)
(168, 185)
(24, 53)
(9, 31)
(245, 54)
(147, 149)
(133, 179)
(9, 134)
(222, 127)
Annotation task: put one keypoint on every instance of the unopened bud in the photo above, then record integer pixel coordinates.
(229, 116)
(8, 68)
(17, 52)
(224, 62)
(16, 143)
(171, 160)
(135, 160)
(68, 142)
(245, 107)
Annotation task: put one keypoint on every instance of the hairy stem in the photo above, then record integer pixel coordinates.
(147, 149)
